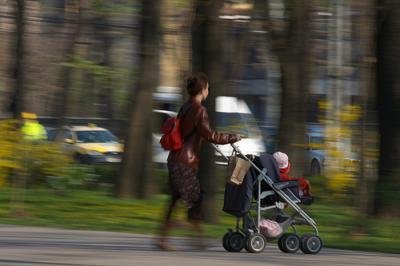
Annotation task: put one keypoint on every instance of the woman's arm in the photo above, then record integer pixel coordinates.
(203, 128)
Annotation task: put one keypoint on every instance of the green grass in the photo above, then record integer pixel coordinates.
(98, 210)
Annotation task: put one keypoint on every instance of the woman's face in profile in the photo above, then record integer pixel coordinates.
(204, 92)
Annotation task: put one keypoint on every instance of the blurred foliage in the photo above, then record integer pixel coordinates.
(106, 173)
(117, 78)
(84, 176)
(35, 161)
(182, 3)
(342, 169)
(101, 73)
(9, 136)
(74, 176)
(115, 8)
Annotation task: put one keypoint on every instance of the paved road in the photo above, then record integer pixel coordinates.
(31, 246)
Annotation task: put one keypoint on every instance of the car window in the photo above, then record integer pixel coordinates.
(95, 136)
(316, 142)
(67, 134)
(237, 123)
(51, 133)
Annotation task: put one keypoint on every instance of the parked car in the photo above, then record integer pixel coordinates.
(233, 115)
(91, 144)
(316, 155)
(314, 139)
(51, 133)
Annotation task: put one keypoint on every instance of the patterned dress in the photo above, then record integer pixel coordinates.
(185, 185)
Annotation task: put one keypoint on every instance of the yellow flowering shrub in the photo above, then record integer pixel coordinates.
(36, 161)
(341, 171)
(9, 136)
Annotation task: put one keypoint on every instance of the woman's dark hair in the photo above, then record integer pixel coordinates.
(196, 83)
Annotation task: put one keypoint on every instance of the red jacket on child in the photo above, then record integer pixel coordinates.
(303, 183)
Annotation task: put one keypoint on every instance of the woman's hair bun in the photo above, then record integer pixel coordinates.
(191, 82)
(196, 83)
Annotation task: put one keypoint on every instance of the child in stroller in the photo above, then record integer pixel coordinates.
(284, 168)
(263, 191)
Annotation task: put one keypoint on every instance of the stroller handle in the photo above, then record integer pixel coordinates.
(235, 148)
(219, 151)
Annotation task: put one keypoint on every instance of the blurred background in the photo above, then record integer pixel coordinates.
(86, 84)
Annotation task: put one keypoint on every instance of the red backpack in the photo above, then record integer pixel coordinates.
(172, 139)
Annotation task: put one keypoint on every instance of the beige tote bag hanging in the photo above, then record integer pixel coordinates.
(237, 169)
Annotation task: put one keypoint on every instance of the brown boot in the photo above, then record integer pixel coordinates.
(199, 244)
(198, 241)
(164, 246)
(161, 243)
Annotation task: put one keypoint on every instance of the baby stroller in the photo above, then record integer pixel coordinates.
(262, 191)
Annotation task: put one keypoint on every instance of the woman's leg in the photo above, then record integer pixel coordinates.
(195, 217)
(166, 225)
(198, 241)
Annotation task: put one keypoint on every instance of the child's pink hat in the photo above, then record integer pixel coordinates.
(282, 159)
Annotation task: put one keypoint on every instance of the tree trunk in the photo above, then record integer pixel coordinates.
(105, 90)
(206, 54)
(16, 105)
(369, 135)
(62, 97)
(388, 88)
(293, 113)
(135, 178)
(291, 48)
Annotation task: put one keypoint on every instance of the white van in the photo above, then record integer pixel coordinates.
(232, 116)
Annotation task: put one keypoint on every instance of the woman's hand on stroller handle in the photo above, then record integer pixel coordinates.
(235, 147)
(234, 138)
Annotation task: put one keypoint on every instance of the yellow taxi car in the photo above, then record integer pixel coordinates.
(91, 144)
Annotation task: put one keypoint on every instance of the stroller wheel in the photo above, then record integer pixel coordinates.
(280, 242)
(289, 243)
(235, 242)
(255, 243)
(310, 244)
(225, 242)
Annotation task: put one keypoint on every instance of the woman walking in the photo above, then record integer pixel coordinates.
(183, 164)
